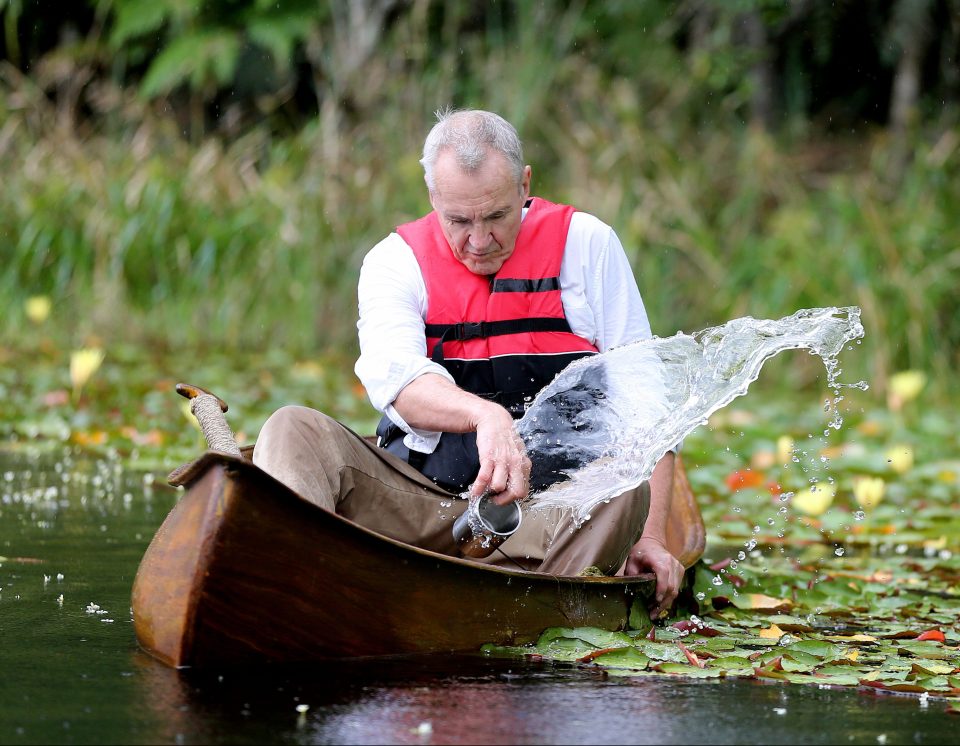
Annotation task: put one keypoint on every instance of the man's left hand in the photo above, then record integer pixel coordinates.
(650, 555)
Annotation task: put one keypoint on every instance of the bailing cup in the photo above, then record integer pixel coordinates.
(484, 526)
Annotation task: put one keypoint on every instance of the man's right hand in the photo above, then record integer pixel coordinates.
(504, 466)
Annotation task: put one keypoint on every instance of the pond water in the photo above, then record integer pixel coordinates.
(72, 531)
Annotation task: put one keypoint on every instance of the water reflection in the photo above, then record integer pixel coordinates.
(464, 700)
(67, 675)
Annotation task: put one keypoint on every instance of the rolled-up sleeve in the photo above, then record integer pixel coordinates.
(392, 305)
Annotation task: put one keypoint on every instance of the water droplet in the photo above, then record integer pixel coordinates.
(859, 515)
(717, 580)
(838, 551)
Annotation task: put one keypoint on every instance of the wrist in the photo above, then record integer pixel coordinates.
(490, 412)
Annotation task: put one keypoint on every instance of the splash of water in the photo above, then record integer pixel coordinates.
(599, 428)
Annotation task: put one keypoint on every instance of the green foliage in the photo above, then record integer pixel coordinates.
(252, 238)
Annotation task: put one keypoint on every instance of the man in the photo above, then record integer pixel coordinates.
(464, 315)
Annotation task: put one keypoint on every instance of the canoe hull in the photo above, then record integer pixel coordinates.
(243, 570)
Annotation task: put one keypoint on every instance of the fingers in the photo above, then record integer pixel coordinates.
(504, 466)
(669, 578)
(649, 556)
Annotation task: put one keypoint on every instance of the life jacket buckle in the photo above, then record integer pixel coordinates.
(470, 330)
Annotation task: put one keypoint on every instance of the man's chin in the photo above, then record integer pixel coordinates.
(483, 265)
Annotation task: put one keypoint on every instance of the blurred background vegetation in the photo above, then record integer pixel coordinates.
(179, 173)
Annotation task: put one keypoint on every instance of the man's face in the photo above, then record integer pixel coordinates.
(479, 211)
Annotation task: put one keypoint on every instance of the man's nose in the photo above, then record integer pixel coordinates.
(479, 236)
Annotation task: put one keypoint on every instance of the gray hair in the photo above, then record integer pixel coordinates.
(469, 133)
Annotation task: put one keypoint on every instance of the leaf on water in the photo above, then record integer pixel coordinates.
(790, 665)
(720, 644)
(773, 632)
(790, 623)
(893, 686)
(691, 657)
(661, 651)
(686, 669)
(932, 634)
(816, 648)
(925, 649)
(621, 658)
(691, 627)
(820, 679)
(768, 672)
(733, 664)
(933, 668)
(761, 602)
(594, 636)
(851, 638)
(597, 653)
(801, 658)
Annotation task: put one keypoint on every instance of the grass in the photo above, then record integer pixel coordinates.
(136, 235)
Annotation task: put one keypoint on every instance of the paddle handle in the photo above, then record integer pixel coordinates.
(209, 410)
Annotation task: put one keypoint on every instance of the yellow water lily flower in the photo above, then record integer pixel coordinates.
(900, 458)
(785, 447)
(904, 386)
(38, 308)
(83, 364)
(868, 491)
(815, 500)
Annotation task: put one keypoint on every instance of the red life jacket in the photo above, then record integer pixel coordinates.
(503, 337)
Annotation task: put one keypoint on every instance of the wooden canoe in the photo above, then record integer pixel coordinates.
(243, 570)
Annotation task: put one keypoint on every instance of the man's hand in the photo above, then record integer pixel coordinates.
(504, 466)
(650, 555)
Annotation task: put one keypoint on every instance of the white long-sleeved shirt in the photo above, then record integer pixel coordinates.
(597, 289)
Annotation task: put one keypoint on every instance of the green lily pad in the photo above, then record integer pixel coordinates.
(593, 636)
(691, 671)
(623, 658)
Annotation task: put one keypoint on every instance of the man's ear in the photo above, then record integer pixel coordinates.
(525, 183)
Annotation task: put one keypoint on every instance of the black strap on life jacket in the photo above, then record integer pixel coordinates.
(483, 329)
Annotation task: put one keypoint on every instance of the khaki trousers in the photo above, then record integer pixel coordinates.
(333, 467)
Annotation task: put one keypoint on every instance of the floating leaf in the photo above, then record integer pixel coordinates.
(621, 658)
(691, 656)
(760, 601)
(686, 669)
(817, 648)
(733, 664)
(773, 632)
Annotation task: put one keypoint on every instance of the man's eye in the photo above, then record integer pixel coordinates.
(459, 221)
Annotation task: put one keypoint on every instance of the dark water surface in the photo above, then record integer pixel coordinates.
(72, 531)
